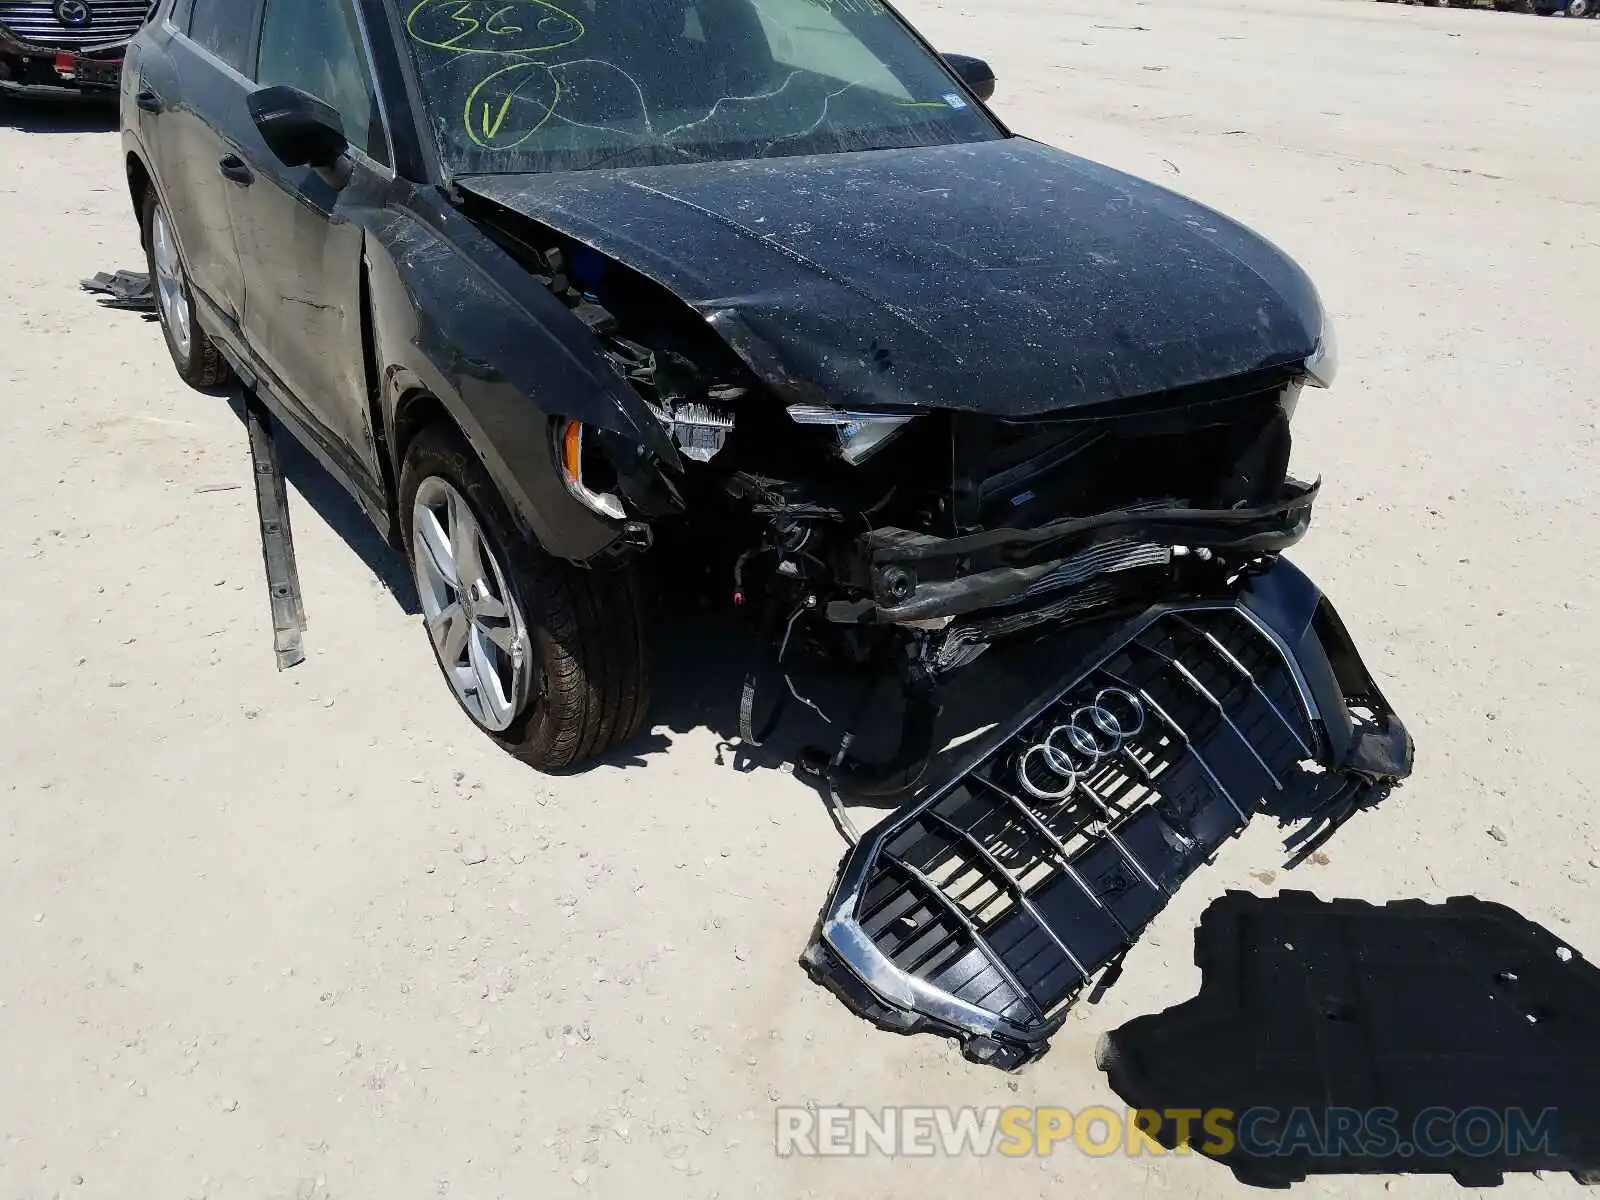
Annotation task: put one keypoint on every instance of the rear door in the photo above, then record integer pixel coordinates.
(303, 312)
(202, 123)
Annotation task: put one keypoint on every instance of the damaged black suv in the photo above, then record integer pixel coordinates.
(580, 298)
(572, 294)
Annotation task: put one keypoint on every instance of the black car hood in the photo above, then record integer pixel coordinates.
(1003, 277)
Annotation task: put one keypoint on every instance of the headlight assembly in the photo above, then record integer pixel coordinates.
(860, 434)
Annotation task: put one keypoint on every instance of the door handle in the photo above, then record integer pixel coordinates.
(149, 100)
(235, 170)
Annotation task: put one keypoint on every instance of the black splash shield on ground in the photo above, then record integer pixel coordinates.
(1319, 1006)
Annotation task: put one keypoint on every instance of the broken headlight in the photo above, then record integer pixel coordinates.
(860, 434)
(1323, 364)
(699, 430)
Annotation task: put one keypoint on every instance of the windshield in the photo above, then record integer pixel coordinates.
(551, 85)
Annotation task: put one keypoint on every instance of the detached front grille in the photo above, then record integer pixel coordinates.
(110, 23)
(1002, 895)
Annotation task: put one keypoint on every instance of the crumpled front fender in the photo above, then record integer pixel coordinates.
(454, 316)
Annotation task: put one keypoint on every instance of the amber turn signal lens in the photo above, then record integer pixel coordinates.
(572, 451)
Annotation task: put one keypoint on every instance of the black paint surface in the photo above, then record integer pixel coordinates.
(1004, 277)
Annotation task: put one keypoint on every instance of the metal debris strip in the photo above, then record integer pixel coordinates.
(134, 291)
(277, 538)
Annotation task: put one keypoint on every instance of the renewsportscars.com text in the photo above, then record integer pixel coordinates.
(1099, 1131)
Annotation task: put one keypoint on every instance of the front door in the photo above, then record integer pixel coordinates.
(303, 252)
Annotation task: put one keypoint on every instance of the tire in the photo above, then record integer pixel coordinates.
(1580, 8)
(200, 364)
(582, 632)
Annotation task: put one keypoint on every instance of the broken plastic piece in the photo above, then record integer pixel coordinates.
(130, 291)
(987, 904)
(277, 538)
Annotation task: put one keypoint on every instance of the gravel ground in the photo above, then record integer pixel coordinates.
(305, 934)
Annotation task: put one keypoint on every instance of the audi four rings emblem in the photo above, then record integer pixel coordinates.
(74, 14)
(1093, 732)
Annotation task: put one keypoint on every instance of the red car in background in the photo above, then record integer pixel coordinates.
(66, 45)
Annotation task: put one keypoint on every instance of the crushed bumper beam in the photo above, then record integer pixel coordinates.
(916, 577)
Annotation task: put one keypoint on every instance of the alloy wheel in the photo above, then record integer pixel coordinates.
(476, 625)
(171, 290)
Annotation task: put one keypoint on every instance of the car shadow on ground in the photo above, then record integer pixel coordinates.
(703, 659)
(1341, 1037)
(58, 114)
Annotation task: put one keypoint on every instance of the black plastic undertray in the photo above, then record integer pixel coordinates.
(1311, 1004)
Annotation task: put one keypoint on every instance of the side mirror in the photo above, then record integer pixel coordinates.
(300, 129)
(973, 72)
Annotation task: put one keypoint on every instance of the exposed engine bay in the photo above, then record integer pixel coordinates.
(917, 538)
(1203, 679)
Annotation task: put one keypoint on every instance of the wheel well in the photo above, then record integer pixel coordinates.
(138, 184)
(412, 415)
(415, 412)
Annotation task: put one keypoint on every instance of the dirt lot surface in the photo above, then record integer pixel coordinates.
(305, 934)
